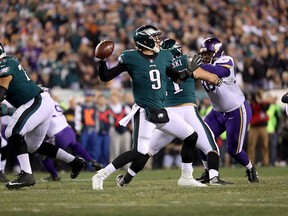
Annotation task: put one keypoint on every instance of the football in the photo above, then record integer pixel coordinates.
(104, 49)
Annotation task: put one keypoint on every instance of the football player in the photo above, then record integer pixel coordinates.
(29, 123)
(149, 68)
(231, 112)
(181, 99)
(64, 136)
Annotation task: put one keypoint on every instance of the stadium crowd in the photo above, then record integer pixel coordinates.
(55, 39)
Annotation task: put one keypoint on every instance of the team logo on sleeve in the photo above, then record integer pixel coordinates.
(4, 70)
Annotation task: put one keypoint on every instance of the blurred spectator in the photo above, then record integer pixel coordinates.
(105, 120)
(85, 123)
(172, 156)
(120, 135)
(273, 127)
(258, 134)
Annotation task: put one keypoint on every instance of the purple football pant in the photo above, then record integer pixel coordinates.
(235, 123)
(67, 138)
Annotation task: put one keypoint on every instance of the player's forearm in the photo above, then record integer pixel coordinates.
(106, 74)
(199, 73)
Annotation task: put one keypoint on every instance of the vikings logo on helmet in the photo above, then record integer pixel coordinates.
(211, 49)
(146, 36)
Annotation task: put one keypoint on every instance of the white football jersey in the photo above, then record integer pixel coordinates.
(58, 121)
(228, 96)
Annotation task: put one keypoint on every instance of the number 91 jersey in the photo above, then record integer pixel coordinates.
(149, 79)
(228, 96)
(21, 88)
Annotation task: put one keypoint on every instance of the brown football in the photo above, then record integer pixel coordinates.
(104, 49)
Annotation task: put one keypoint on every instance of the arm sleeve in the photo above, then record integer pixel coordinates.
(219, 70)
(106, 74)
(175, 75)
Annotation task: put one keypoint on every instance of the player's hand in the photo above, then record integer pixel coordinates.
(220, 81)
(195, 62)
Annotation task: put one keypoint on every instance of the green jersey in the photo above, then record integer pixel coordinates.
(180, 93)
(21, 88)
(149, 78)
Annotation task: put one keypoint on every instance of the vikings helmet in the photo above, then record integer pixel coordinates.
(2, 51)
(145, 37)
(173, 46)
(211, 49)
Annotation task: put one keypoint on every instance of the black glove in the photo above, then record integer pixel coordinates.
(194, 62)
(284, 98)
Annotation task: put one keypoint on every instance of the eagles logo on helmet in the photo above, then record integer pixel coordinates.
(211, 49)
(145, 37)
(2, 51)
(173, 46)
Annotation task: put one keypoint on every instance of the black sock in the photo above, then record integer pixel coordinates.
(48, 150)
(18, 144)
(126, 157)
(188, 148)
(213, 160)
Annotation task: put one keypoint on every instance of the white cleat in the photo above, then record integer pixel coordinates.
(98, 179)
(189, 182)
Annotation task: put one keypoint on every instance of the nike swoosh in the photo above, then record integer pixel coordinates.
(15, 183)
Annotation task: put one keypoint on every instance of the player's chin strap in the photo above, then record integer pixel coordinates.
(3, 91)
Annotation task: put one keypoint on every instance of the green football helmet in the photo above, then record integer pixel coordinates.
(173, 46)
(2, 51)
(145, 37)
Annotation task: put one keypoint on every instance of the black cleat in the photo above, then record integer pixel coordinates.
(3, 177)
(24, 180)
(51, 178)
(284, 98)
(204, 178)
(76, 165)
(217, 181)
(97, 166)
(120, 181)
(252, 175)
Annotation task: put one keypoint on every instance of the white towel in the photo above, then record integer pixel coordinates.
(124, 121)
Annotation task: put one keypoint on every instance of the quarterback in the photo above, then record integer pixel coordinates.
(149, 68)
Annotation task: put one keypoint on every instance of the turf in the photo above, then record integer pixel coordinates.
(153, 192)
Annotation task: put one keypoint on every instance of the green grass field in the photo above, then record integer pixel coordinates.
(153, 192)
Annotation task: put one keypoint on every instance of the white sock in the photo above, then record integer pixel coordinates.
(64, 156)
(187, 170)
(131, 172)
(24, 162)
(110, 169)
(3, 164)
(213, 173)
(249, 165)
